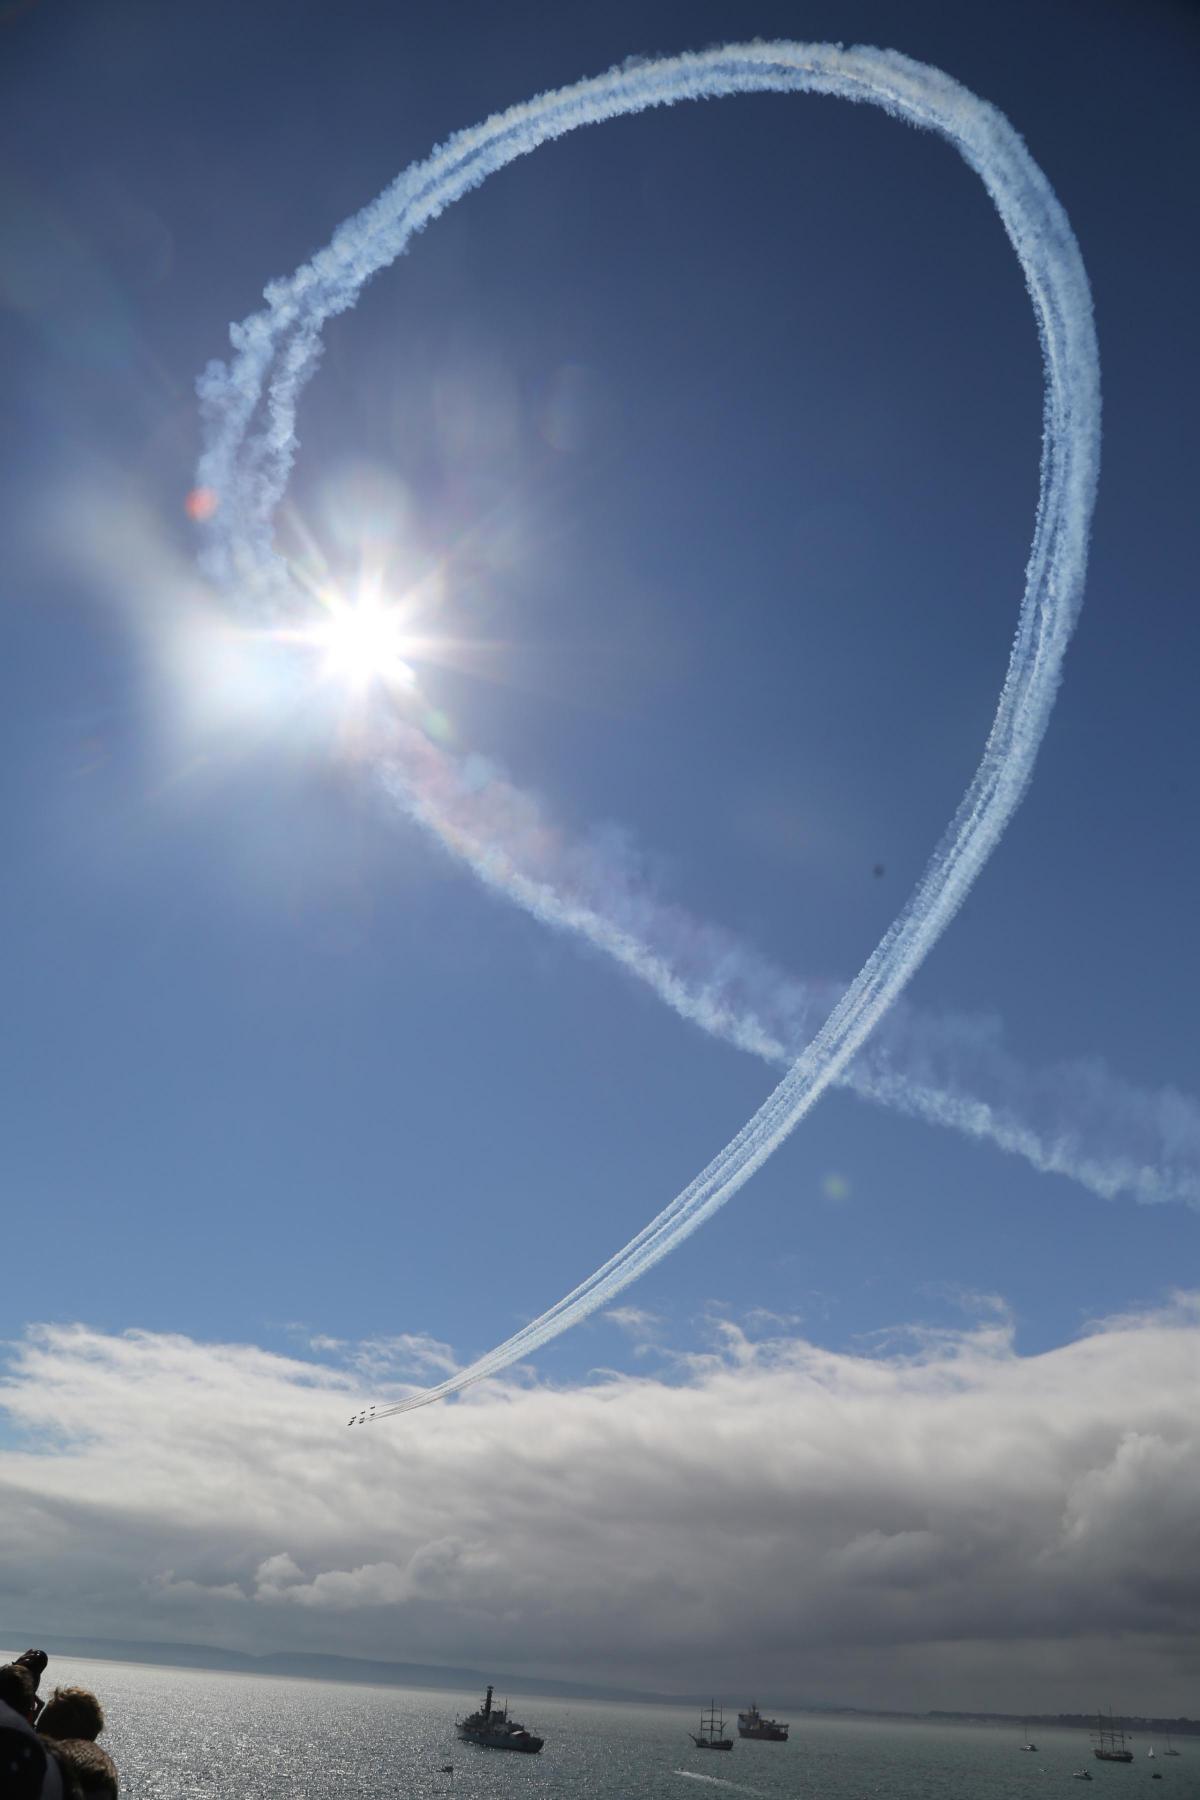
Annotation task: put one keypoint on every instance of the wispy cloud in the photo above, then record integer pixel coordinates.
(640, 1326)
(405, 1354)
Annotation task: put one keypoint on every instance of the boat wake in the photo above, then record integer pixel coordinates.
(737, 1787)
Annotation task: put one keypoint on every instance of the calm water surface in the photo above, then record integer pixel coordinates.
(182, 1734)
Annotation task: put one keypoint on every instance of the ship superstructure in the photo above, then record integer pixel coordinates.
(491, 1728)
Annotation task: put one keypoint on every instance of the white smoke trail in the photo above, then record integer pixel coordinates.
(249, 408)
(1072, 1119)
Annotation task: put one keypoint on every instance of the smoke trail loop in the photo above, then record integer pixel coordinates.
(249, 410)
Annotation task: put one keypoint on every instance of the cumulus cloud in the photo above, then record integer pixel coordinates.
(937, 1521)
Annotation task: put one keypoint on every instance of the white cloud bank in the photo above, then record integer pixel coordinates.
(945, 1524)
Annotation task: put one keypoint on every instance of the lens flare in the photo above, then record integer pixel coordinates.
(200, 504)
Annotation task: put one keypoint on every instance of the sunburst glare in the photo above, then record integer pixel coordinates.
(362, 642)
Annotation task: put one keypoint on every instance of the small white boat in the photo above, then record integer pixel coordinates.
(1082, 1774)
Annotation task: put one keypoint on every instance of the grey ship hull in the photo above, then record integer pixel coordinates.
(495, 1740)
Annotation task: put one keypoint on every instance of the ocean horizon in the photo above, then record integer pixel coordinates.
(204, 1733)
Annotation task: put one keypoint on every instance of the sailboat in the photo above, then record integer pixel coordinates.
(1109, 1741)
(712, 1730)
(1029, 1743)
(1170, 1749)
(1150, 1751)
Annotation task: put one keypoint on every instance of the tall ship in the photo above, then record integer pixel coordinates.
(492, 1729)
(1108, 1740)
(751, 1724)
(712, 1730)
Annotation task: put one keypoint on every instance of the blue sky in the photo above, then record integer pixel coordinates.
(719, 429)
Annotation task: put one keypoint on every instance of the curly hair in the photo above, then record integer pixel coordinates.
(71, 1712)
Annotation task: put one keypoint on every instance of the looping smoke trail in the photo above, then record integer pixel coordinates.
(249, 410)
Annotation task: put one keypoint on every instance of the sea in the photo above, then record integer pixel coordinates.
(191, 1734)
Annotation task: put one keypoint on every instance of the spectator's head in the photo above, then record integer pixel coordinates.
(16, 1689)
(71, 1712)
(87, 1766)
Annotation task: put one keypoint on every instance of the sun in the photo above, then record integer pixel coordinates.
(362, 642)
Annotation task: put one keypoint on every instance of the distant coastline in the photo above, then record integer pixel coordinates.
(371, 1672)
(1129, 1722)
